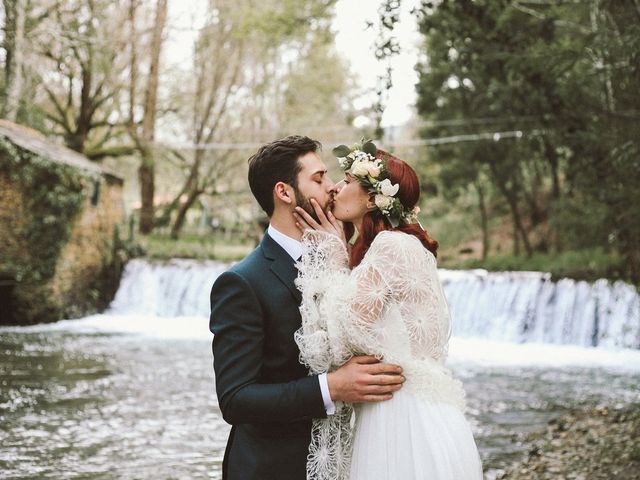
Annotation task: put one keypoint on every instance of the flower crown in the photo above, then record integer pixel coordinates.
(372, 173)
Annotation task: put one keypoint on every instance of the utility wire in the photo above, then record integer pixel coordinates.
(495, 136)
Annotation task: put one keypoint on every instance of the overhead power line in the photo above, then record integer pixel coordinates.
(473, 137)
(475, 121)
(495, 136)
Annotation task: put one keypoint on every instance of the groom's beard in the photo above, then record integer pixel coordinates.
(305, 204)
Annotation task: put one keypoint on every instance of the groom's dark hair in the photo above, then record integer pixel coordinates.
(278, 162)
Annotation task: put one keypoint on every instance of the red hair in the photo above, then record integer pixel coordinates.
(375, 222)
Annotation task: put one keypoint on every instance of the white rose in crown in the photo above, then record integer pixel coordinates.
(382, 201)
(386, 188)
(374, 169)
(363, 156)
(359, 168)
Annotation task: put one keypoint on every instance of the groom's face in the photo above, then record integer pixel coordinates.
(313, 182)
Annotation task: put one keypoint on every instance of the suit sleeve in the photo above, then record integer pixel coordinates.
(237, 324)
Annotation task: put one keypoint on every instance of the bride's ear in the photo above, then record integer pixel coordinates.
(371, 203)
(284, 192)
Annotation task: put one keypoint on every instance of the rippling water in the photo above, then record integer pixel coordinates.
(79, 401)
(108, 406)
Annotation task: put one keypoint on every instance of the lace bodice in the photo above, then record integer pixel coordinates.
(391, 305)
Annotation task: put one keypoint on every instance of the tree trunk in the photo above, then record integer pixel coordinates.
(83, 122)
(146, 171)
(517, 223)
(182, 212)
(484, 220)
(552, 159)
(133, 65)
(164, 218)
(510, 193)
(633, 265)
(146, 177)
(14, 47)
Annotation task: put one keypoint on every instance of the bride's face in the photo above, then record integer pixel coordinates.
(351, 201)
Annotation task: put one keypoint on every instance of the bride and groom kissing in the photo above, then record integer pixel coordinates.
(330, 337)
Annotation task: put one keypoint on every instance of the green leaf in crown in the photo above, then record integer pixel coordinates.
(341, 151)
(365, 145)
(369, 147)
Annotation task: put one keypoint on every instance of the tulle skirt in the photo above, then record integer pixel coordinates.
(407, 438)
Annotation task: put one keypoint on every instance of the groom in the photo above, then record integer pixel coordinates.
(263, 391)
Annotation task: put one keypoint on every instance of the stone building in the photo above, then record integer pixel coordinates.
(59, 219)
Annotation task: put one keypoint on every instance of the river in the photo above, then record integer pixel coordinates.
(129, 394)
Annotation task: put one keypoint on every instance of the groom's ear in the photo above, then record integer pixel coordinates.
(284, 192)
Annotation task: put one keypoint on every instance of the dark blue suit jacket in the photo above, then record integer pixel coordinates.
(263, 390)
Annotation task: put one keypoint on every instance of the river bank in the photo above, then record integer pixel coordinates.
(594, 444)
(587, 264)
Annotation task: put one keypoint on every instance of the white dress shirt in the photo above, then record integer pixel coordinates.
(294, 248)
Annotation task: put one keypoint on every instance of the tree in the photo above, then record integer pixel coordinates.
(143, 132)
(82, 43)
(482, 71)
(559, 73)
(14, 39)
(242, 88)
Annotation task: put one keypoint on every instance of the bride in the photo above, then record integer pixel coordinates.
(379, 294)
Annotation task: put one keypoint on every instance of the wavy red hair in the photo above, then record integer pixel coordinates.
(375, 222)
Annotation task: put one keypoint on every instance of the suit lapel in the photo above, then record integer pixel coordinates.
(282, 265)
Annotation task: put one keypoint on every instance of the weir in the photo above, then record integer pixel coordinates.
(519, 307)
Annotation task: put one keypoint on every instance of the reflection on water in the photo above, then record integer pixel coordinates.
(107, 406)
(83, 405)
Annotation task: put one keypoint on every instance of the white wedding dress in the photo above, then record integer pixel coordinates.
(391, 306)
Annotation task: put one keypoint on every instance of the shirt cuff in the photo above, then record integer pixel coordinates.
(329, 406)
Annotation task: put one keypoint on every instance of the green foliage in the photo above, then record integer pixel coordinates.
(285, 19)
(567, 76)
(589, 264)
(210, 247)
(53, 195)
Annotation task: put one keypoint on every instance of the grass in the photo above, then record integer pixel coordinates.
(209, 247)
(589, 264)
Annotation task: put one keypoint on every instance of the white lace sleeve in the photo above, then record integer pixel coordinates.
(366, 294)
(324, 265)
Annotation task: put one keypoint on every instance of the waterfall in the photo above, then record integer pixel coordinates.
(520, 307)
(530, 307)
(174, 288)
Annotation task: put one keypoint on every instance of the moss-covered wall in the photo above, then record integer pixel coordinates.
(59, 237)
(13, 221)
(85, 270)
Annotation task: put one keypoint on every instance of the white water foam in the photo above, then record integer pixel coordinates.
(529, 307)
(503, 319)
(478, 352)
(463, 352)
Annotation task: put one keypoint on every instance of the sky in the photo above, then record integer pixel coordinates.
(356, 45)
(352, 39)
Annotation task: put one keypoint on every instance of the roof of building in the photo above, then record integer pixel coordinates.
(34, 141)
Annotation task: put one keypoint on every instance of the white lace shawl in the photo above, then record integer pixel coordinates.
(392, 306)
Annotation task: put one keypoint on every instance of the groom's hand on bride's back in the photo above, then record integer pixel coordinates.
(364, 379)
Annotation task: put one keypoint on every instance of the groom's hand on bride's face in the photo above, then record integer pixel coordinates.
(364, 379)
